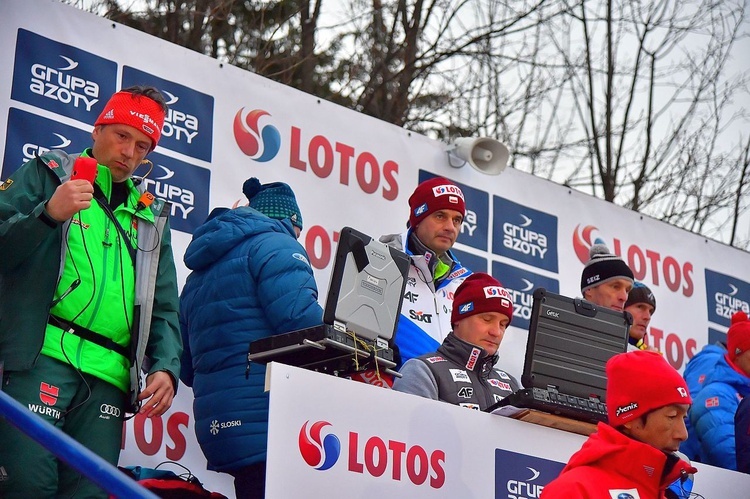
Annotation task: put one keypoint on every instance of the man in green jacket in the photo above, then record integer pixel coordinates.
(88, 290)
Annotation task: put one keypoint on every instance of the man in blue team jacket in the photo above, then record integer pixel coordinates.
(250, 279)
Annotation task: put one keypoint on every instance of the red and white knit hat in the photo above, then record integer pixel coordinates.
(432, 195)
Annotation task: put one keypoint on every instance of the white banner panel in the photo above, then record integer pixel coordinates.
(330, 437)
(226, 124)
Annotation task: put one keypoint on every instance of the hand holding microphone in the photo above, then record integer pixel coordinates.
(76, 194)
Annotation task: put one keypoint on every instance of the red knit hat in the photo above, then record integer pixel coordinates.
(640, 382)
(432, 195)
(480, 293)
(738, 336)
(138, 111)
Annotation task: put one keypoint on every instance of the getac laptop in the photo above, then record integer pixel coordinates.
(570, 342)
(360, 316)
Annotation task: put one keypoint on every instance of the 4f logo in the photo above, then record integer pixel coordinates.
(411, 296)
(466, 392)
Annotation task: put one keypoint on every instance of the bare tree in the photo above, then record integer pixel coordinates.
(634, 101)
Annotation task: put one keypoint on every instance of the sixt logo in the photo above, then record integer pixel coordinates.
(319, 453)
(261, 143)
(420, 316)
(643, 262)
(377, 457)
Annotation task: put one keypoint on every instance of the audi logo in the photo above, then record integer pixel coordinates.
(110, 410)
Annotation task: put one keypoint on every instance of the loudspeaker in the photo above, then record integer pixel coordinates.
(487, 155)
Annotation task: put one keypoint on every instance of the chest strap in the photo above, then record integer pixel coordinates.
(88, 335)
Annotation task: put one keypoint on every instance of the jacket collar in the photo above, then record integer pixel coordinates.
(465, 354)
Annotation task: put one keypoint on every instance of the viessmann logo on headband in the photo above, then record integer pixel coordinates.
(189, 122)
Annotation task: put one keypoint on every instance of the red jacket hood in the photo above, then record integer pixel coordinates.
(643, 464)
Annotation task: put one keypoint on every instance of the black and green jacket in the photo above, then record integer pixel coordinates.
(36, 270)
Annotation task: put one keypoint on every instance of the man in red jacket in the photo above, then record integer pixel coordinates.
(632, 457)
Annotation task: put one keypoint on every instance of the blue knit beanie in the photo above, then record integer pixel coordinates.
(275, 200)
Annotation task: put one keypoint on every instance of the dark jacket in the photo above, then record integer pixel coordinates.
(458, 373)
(251, 279)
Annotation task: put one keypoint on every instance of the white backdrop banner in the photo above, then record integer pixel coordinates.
(347, 169)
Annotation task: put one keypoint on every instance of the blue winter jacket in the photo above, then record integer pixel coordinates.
(251, 279)
(712, 414)
(696, 372)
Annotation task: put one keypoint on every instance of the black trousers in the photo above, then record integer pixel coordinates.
(250, 481)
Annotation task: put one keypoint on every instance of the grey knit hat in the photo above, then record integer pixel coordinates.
(603, 266)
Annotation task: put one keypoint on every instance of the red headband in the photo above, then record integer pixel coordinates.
(138, 111)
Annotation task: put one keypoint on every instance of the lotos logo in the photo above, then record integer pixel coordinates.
(319, 453)
(643, 262)
(582, 241)
(260, 143)
(473, 358)
(496, 292)
(377, 457)
(448, 190)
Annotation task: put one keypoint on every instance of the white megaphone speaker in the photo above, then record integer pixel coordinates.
(487, 155)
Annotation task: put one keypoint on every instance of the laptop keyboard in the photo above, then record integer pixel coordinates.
(585, 409)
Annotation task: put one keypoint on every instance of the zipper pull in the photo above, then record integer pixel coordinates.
(106, 238)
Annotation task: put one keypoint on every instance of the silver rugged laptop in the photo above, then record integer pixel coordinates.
(360, 316)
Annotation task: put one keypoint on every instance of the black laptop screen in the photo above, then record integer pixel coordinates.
(570, 341)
